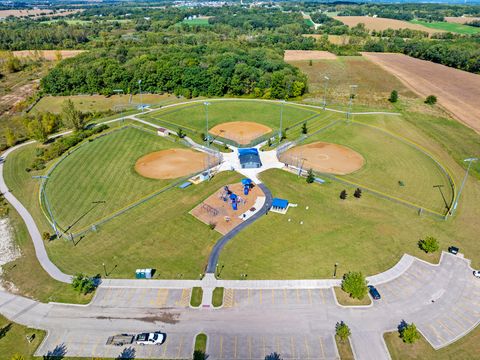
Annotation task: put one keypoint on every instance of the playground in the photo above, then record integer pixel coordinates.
(242, 132)
(230, 206)
(325, 157)
(171, 163)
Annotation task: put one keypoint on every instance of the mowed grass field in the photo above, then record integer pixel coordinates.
(192, 116)
(389, 160)
(448, 26)
(103, 170)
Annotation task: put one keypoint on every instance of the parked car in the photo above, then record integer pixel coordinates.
(453, 250)
(153, 338)
(476, 273)
(374, 292)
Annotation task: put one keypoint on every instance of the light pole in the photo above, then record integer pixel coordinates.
(281, 121)
(207, 104)
(120, 91)
(470, 161)
(353, 89)
(42, 193)
(326, 78)
(335, 270)
(140, 90)
(105, 269)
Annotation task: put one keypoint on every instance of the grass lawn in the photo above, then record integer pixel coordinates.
(217, 297)
(102, 170)
(13, 340)
(397, 161)
(92, 103)
(196, 298)
(201, 343)
(345, 299)
(447, 26)
(192, 116)
(464, 349)
(344, 349)
(196, 22)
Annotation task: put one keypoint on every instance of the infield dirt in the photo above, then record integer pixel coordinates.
(324, 157)
(242, 132)
(171, 163)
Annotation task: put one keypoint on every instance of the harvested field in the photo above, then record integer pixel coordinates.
(213, 210)
(242, 132)
(296, 55)
(325, 157)
(377, 24)
(460, 19)
(171, 163)
(50, 55)
(37, 12)
(333, 39)
(457, 91)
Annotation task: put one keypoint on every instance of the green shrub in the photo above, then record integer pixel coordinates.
(429, 244)
(431, 100)
(310, 176)
(84, 284)
(393, 96)
(409, 333)
(342, 330)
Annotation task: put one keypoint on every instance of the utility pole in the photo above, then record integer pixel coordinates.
(120, 91)
(353, 90)
(282, 103)
(42, 193)
(207, 104)
(326, 78)
(140, 89)
(470, 161)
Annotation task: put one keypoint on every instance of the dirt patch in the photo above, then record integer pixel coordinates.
(214, 210)
(243, 132)
(461, 19)
(324, 157)
(457, 91)
(297, 55)
(171, 163)
(49, 55)
(379, 24)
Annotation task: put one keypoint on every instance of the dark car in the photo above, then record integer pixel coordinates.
(374, 292)
(453, 250)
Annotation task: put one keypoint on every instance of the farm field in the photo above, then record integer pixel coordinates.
(92, 103)
(37, 12)
(296, 55)
(448, 26)
(461, 19)
(457, 91)
(379, 24)
(102, 170)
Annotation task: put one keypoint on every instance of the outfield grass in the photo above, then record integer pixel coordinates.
(465, 349)
(346, 300)
(13, 340)
(102, 170)
(447, 26)
(192, 116)
(388, 160)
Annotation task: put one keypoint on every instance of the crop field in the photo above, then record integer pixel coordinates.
(192, 116)
(461, 19)
(448, 26)
(380, 24)
(102, 171)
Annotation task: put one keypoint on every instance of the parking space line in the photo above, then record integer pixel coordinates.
(165, 349)
(249, 298)
(468, 310)
(307, 349)
(442, 324)
(310, 296)
(437, 334)
(321, 346)
(264, 348)
(322, 295)
(221, 347)
(261, 295)
(233, 298)
(180, 347)
(461, 326)
(466, 319)
(293, 346)
(273, 296)
(250, 347)
(131, 294)
(298, 296)
(284, 296)
(277, 345)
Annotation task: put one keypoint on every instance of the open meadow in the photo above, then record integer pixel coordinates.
(453, 27)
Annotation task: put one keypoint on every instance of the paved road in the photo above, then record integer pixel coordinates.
(297, 323)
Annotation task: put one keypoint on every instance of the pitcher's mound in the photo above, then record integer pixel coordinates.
(324, 157)
(171, 163)
(243, 132)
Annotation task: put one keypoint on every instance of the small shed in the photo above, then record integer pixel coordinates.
(279, 205)
(162, 131)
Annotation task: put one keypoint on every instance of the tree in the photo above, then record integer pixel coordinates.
(181, 134)
(46, 236)
(83, 284)
(273, 356)
(310, 176)
(393, 96)
(283, 135)
(429, 244)
(304, 128)
(10, 137)
(199, 355)
(269, 142)
(408, 333)
(358, 193)
(71, 116)
(342, 331)
(355, 284)
(343, 194)
(431, 100)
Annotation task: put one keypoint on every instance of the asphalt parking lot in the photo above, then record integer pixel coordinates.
(142, 297)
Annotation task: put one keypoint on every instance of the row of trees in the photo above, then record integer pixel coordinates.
(214, 69)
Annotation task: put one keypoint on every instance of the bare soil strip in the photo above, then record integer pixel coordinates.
(298, 55)
(50, 55)
(379, 24)
(242, 132)
(324, 157)
(171, 163)
(458, 91)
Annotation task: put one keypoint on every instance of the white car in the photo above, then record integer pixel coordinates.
(153, 338)
(476, 273)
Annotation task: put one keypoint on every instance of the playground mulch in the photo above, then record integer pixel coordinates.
(171, 163)
(213, 210)
(242, 132)
(324, 157)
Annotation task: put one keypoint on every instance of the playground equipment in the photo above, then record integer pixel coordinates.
(247, 185)
(210, 209)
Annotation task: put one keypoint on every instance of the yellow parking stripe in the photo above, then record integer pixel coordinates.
(264, 348)
(284, 296)
(322, 295)
(221, 347)
(310, 296)
(298, 296)
(165, 349)
(442, 324)
(292, 343)
(235, 347)
(437, 334)
(321, 346)
(250, 347)
(273, 296)
(307, 348)
(180, 347)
